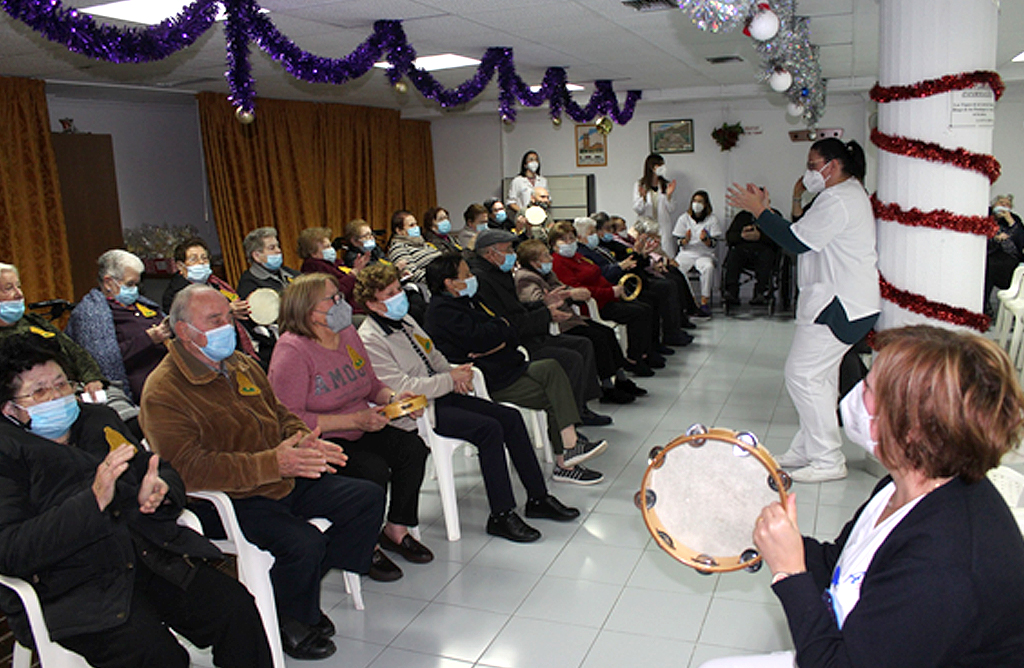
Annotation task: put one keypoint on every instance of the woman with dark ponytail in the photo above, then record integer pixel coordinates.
(839, 296)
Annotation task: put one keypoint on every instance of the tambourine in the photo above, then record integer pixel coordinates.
(404, 407)
(701, 495)
(536, 215)
(627, 294)
(264, 306)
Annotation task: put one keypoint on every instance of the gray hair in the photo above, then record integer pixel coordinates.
(181, 308)
(9, 267)
(253, 241)
(581, 225)
(114, 262)
(999, 197)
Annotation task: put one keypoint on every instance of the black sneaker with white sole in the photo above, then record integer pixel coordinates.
(577, 475)
(585, 449)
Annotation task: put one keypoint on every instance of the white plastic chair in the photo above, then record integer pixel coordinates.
(442, 448)
(1004, 318)
(51, 655)
(254, 567)
(1010, 484)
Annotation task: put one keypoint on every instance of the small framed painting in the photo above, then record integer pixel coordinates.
(591, 146)
(672, 136)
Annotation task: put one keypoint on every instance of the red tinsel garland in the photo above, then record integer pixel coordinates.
(944, 84)
(962, 158)
(935, 310)
(940, 219)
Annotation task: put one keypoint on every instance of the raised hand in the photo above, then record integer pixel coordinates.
(153, 488)
(107, 473)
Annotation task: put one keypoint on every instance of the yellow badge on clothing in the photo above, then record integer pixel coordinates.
(232, 297)
(115, 439)
(41, 332)
(489, 311)
(246, 387)
(145, 310)
(357, 361)
(424, 342)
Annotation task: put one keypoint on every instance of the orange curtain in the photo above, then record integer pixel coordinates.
(305, 164)
(32, 232)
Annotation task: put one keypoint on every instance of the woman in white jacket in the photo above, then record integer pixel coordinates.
(652, 199)
(697, 232)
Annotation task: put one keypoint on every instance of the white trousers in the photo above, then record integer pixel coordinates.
(705, 265)
(812, 379)
(773, 660)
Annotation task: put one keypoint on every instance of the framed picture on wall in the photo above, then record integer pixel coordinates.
(672, 136)
(591, 146)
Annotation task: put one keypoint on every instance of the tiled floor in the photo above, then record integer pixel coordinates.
(598, 592)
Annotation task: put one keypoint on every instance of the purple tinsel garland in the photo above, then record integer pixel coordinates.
(80, 33)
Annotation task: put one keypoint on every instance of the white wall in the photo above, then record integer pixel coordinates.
(158, 158)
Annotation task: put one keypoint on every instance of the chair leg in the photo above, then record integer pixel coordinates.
(446, 486)
(354, 588)
(22, 657)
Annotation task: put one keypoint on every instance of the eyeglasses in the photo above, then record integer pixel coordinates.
(59, 389)
(336, 298)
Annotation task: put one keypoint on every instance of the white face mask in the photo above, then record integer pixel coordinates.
(814, 181)
(697, 207)
(856, 419)
(661, 171)
(1000, 209)
(533, 166)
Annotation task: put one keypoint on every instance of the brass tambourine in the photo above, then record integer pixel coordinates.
(404, 407)
(627, 293)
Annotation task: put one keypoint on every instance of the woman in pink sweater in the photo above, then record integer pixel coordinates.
(321, 372)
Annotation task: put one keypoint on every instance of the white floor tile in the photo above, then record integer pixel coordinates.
(645, 612)
(474, 587)
(532, 643)
(573, 602)
(613, 649)
(596, 563)
(451, 631)
(759, 627)
(400, 658)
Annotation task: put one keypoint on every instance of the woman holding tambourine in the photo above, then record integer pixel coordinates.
(930, 571)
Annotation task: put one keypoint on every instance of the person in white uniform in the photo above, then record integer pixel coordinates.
(837, 272)
(930, 570)
(652, 200)
(521, 188)
(697, 232)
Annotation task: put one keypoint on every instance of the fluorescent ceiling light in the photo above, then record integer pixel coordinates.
(442, 61)
(569, 87)
(149, 12)
(1019, 58)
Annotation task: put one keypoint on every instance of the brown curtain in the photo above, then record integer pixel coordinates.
(32, 232)
(305, 164)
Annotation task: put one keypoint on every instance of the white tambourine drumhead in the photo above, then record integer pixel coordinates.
(264, 306)
(535, 215)
(702, 494)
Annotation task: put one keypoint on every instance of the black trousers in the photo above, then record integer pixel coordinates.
(492, 428)
(576, 357)
(303, 554)
(394, 456)
(213, 610)
(999, 268)
(685, 291)
(662, 296)
(749, 256)
(639, 320)
(607, 351)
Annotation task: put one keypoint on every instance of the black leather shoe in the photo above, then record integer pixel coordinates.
(639, 369)
(383, 569)
(324, 626)
(655, 361)
(616, 395)
(591, 419)
(629, 386)
(512, 527)
(550, 508)
(410, 548)
(665, 350)
(303, 642)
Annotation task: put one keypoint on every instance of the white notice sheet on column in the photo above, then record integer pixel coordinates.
(972, 108)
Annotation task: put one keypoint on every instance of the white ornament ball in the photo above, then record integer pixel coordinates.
(764, 25)
(794, 109)
(812, 135)
(780, 81)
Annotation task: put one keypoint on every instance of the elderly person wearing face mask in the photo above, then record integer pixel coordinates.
(323, 374)
(522, 186)
(122, 330)
(263, 250)
(475, 217)
(438, 230)
(408, 248)
(1005, 249)
(497, 216)
(320, 257)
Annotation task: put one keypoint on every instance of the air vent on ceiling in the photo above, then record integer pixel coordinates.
(720, 60)
(651, 5)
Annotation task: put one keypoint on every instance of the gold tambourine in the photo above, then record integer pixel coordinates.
(264, 306)
(703, 493)
(404, 407)
(627, 294)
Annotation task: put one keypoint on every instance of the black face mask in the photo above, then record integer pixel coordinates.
(544, 205)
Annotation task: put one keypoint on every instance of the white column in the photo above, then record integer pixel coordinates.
(919, 40)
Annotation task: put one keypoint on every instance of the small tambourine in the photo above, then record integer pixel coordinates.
(701, 495)
(628, 294)
(536, 215)
(404, 407)
(264, 306)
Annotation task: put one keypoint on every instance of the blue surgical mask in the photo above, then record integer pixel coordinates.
(128, 296)
(52, 419)
(545, 268)
(198, 273)
(501, 216)
(12, 311)
(482, 226)
(568, 250)
(470, 288)
(369, 245)
(607, 237)
(444, 226)
(591, 240)
(330, 255)
(220, 342)
(397, 306)
(413, 231)
(274, 261)
(509, 262)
